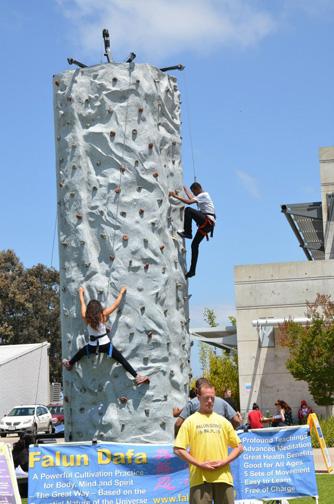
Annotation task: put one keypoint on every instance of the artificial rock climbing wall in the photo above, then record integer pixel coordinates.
(118, 142)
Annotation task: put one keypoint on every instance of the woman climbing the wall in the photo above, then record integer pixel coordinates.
(95, 316)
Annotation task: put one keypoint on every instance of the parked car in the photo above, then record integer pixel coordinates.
(33, 418)
(57, 412)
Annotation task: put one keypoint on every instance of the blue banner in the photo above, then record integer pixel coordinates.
(106, 473)
(275, 464)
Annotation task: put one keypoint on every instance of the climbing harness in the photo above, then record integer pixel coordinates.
(207, 227)
(96, 338)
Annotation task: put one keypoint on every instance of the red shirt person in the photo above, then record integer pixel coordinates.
(255, 417)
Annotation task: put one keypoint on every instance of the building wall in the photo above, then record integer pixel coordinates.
(279, 291)
(25, 376)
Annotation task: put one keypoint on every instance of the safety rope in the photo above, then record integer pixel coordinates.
(189, 125)
(53, 241)
(39, 372)
(120, 173)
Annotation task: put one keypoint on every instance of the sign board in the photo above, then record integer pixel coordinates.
(276, 464)
(9, 492)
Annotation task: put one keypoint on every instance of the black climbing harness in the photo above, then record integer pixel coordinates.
(96, 338)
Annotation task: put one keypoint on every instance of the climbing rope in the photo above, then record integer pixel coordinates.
(53, 241)
(189, 125)
(39, 372)
(120, 173)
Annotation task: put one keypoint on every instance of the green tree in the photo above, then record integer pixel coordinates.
(29, 306)
(311, 356)
(220, 370)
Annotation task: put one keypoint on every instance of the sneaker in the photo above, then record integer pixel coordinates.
(66, 364)
(190, 274)
(184, 235)
(140, 379)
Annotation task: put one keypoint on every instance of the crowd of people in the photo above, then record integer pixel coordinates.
(282, 416)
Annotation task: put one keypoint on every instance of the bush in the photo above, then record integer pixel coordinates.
(327, 426)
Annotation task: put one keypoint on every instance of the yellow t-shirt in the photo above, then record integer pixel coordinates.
(208, 437)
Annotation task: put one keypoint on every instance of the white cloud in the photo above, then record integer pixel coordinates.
(161, 28)
(249, 183)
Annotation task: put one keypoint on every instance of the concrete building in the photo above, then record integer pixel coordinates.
(280, 291)
(24, 375)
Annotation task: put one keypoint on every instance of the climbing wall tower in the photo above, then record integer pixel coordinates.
(118, 141)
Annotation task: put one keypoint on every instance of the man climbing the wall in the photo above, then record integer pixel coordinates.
(204, 217)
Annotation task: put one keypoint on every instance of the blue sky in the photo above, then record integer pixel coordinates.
(259, 90)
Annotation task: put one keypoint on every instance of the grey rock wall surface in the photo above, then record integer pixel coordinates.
(117, 129)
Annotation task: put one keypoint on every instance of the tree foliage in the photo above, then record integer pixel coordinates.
(29, 306)
(311, 356)
(220, 370)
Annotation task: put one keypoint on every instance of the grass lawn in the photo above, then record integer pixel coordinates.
(325, 487)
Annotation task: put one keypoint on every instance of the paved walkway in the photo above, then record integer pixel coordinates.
(319, 461)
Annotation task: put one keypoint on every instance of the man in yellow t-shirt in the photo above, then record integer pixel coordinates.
(208, 436)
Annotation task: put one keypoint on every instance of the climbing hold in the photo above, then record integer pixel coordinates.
(134, 135)
(78, 216)
(141, 211)
(136, 163)
(149, 334)
(146, 266)
(150, 146)
(162, 247)
(163, 270)
(166, 313)
(117, 189)
(139, 188)
(142, 310)
(110, 110)
(173, 161)
(69, 98)
(114, 81)
(87, 265)
(155, 174)
(147, 412)
(98, 163)
(174, 143)
(111, 258)
(112, 134)
(123, 399)
(140, 110)
(57, 82)
(61, 184)
(137, 81)
(159, 201)
(163, 425)
(125, 237)
(123, 214)
(122, 169)
(103, 236)
(58, 138)
(66, 399)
